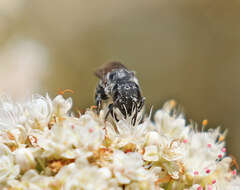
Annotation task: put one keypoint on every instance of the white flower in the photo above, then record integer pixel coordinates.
(152, 138)
(124, 133)
(222, 174)
(71, 137)
(24, 158)
(151, 153)
(11, 113)
(202, 152)
(172, 150)
(8, 169)
(143, 185)
(170, 126)
(32, 180)
(61, 106)
(86, 177)
(39, 111)
(128, 167)
(195, 187)
(44, 146)
(234, 184)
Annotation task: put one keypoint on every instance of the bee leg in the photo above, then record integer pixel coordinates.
(135, 115)
(115, 116)
(110, 110)
(99, 97)
(141, 104)
(99, 105)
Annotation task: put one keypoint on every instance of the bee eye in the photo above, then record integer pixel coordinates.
(111, 76)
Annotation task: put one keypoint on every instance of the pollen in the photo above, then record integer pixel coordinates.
(130, 147)
(221, 138)
(234, 162)
(93, 107)
(173, 103)
(55, 166)
(10, 135)
(208, 171)
(209, 187)
(220, 156)
(163, 180)
(205, 122)
(90, 130)
(234, 172)
(32, 140)
(199, 188)
(196, 173)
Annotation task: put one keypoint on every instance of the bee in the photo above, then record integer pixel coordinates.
(120, 88)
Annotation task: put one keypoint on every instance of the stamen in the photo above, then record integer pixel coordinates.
(10, 135)
(234, 162)
(208, 171)
(90, 130)
(224, 149)
(220, 156)
(210, 187)
(32, 140)
(199, 188)
(163, 180)
(62, 92)
(79, 113)
(196, 173)
(205, 122)
(172, 103)
(93, 107)
(234, 172)
(221, 138)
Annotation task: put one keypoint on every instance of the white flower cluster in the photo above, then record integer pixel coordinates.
(43, 146)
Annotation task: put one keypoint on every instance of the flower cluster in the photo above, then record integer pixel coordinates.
(44, 146)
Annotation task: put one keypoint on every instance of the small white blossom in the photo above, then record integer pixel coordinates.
(124, 133)
(39, 111)
(61, 106)
(171, 126)
(202, 152)
(151, 153)
(24, 158)
(8, 169)
(128, 167)
(91, 177)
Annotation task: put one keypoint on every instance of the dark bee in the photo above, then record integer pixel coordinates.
(120, 87)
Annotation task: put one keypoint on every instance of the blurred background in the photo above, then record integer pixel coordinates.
(181, 49)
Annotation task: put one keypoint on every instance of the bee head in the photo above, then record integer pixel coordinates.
(127, 98)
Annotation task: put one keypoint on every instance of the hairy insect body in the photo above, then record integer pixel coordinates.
(120, 87)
